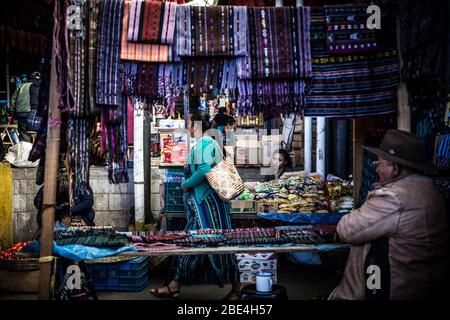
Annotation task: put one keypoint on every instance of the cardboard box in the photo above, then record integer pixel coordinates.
(243, 206)
(256, 256)
(257, 264)
(269, 145)
(250, 276)
(247, 156)
(20, 281)
(264, 207)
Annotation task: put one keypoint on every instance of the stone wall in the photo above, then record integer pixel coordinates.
(112, 203)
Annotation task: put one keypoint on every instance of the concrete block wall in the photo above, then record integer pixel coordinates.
(112, 203)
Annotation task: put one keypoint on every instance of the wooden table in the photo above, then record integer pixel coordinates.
(226, 250)
(214, 250)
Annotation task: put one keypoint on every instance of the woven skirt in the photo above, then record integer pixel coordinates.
(211, 213)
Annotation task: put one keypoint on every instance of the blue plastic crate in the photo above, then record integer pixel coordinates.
(124, 276)
(175, 176)
(137, 286)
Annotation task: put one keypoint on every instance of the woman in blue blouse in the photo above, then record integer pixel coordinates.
(204, 210)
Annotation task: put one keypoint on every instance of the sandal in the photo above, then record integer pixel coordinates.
(171, 294)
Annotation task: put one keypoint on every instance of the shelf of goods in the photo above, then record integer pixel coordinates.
(298, 199)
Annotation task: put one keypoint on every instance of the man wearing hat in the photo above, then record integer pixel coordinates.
(399, 236)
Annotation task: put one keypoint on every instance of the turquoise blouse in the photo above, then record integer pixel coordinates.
(202, 158)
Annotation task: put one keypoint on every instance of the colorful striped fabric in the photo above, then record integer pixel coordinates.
(151, 21)
(278, 43)
(108, 48)
(211, 31)
(153, 83)
(114, 141)
(210, 75)
(270, 97)
(144, 52)
(352, 84)
(347, 30)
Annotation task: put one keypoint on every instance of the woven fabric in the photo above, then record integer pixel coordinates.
(140, 51)
(211, 31)
(206, 75)
(278, 43)
(212, 213)
(352, 84)
(347, 29)
(270, 97)
(151, 21)
(108, 49)
(114, 141)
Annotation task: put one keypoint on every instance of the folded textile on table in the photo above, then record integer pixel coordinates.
(157, 246)
(347, 29)
(108, 48)
(151, 21)
(145, 52)
(211, 31)
(278, 44)
(270, 97)
(90, 236)
(352, 84)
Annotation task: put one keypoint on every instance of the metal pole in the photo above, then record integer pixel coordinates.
(138, 169)
(50, 181)
(320, 146)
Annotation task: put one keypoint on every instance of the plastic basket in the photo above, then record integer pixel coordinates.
(175, 176)
(125, 276)
(173, 198)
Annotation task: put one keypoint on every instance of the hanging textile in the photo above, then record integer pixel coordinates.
(210, 75)
(141, 51)
(114, 141)
(62, 57)
(211, 31)
(93, 12)
(352, 84)
(270, 97)
(347, 29)
(108, 49)
(130, 122)
(151, 21)
(154, 83)
(278, 43)
(78, 153)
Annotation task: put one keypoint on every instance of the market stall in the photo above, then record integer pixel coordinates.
(274, 74)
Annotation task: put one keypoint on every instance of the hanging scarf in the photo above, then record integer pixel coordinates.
(278, 43)
(114, 141)
(108, 50)
(141, 51)
(151, 21)
(270, 97)
(211, 31)
(210, 75)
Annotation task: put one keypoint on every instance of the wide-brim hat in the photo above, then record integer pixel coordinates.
(404, 148)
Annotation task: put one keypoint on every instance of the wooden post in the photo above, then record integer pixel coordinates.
(404, 112)
(50, 184)
(358, 142)
(8, 88)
